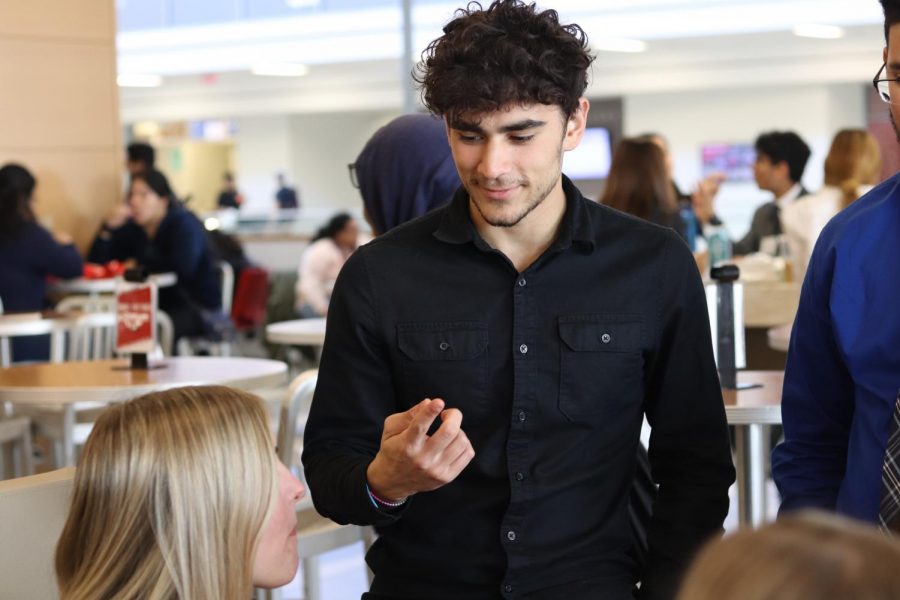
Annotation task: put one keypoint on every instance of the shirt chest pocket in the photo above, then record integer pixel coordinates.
(601, 365)
(445, 360)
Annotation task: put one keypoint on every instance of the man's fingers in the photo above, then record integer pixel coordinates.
(397, 423)
(464, 458)
(451, 423)
(425, 414)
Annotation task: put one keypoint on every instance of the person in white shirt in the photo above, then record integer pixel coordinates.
(852, 167)
(321, 263)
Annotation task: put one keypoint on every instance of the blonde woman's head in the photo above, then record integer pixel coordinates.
(179, 494)
(854, 160)
(810, 556)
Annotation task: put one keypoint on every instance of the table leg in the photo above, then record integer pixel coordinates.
(750, 450)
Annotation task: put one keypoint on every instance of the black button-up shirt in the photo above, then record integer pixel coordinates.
(553, 369)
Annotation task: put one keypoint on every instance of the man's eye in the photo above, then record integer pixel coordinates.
(469, 137)
(521, 139)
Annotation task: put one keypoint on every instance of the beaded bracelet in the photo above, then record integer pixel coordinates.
(379, 503)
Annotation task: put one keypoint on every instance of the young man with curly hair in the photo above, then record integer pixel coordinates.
(486, 367)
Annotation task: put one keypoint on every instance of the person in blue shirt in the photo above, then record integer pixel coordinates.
(155, 231)
(843, 368)
(28, 254)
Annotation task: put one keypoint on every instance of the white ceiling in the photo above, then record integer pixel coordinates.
(354, 57)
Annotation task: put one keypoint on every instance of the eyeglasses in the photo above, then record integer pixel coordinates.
(883, 87)
(353, 180)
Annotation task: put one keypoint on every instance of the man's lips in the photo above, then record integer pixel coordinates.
(498, 193)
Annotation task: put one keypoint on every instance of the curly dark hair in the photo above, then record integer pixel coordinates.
(506, 54)
(16, 187)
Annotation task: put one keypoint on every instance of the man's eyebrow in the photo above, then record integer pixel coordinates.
(461, 125)
(522, 125)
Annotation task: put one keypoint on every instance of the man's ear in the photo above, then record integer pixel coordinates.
(576, 124)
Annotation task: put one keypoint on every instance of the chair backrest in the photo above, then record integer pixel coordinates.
(32, 513)
(93, 336)
(226, 281)
(12, 327)
(87, 304)
(296, 403)
(250, 299)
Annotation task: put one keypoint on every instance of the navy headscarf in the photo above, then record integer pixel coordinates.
(406, 170)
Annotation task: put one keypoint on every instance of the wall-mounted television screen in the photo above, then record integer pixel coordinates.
(735, 160)
(590, 160)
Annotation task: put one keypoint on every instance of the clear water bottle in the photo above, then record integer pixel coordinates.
(719, 244)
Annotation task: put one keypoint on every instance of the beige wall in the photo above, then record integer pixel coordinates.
(196, 169)
(59, 107)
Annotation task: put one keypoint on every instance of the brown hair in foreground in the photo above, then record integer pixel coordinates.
(809, 556)
(170, 495)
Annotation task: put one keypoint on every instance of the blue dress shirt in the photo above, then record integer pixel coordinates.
(843, 368)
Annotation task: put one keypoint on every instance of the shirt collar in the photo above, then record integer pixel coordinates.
(789, 196)
(456, 225)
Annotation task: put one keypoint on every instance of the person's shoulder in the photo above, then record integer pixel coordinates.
(414, 232)
(606, 221)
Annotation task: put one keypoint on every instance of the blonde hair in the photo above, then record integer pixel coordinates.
(853, 160)
(170, 498)
(809, 556)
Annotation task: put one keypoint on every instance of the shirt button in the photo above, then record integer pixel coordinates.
(522, 415)
(508, 588)
(511, 536)
(522, 282)
(605, 338)
(444, 345)
(519, 476)
(523, 349)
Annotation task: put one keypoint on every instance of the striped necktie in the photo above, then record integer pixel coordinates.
(889, 511)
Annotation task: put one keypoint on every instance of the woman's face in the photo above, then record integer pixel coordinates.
(348, 236)
(147, 208)
(276, 557)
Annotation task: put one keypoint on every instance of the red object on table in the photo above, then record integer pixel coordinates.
(114, 268)
(94, 271)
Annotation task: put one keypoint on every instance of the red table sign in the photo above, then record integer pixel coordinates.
(136, 311)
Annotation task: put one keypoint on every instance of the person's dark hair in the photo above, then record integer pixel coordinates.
(143, 153)
(638, 183)
(785, 146)
(506, 54)
(891, 16)
(333, 227)
(157, 182)
(16, 187)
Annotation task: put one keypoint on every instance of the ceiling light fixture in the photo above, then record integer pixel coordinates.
(138, 80)
(822, 32)
(280, 69)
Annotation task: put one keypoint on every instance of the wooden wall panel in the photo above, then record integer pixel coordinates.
(74, 19)
(59, 107)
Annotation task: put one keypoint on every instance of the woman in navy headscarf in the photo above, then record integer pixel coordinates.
(404, 171)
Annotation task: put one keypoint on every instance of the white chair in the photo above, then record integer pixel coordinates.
(13, 327)
(226, 280)
(315, 534)
(87, 304)
(32, 514)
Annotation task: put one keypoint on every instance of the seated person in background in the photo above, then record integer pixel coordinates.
(179, 494)
(229, 197)
(780, 161)
(638, 184)
(286, 197)
(321, 263)
(852, 168)
(28, 254)
(811, 556)
(154, 230)
(404, 171)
